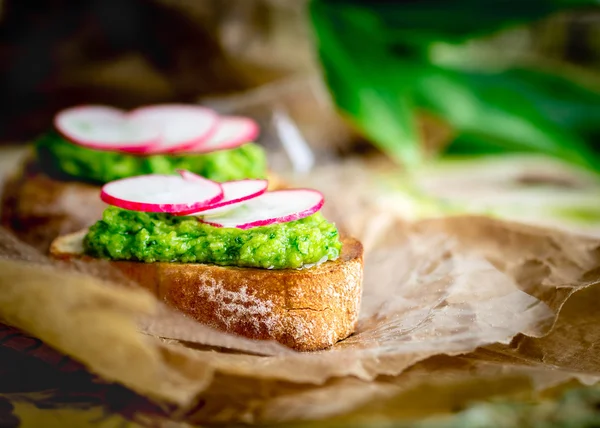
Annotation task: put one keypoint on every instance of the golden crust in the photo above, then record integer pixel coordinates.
(306, 310)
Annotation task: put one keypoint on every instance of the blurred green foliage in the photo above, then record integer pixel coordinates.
(379, 61)
(577, 408)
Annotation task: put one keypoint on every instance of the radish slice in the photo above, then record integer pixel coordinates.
(183, 126)
(279, 206)
(235, 193)
(161, 193)
(231, 132)
(106, 128)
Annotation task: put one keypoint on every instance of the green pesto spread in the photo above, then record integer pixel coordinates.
(61, 158)
(151, 237)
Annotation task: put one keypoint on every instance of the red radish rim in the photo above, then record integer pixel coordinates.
(285, 219)
(155, 208)
(228, 202)
(248, 136)
(96, 146)
(187, 145)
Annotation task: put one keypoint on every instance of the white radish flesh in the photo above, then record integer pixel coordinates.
(106, 128)
(279, 206)
(235, 193)
(183, 126)
(231, 132)
(161, 193)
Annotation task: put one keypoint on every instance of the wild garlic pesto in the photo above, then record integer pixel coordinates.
(59, 157)
(151, 237)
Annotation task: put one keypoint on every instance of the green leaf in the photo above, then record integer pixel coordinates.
(376, 60)
(362, 91)
(495, 108)
(450, 20)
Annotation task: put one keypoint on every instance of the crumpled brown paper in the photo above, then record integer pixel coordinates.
(447, 286)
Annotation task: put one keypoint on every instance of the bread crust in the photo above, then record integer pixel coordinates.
(38, 208)
(307, 310)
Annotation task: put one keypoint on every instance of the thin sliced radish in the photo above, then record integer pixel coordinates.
(106, 128)
(235, 193)
(183, 126)
(231, 132)
(279, 206)
(161, 193)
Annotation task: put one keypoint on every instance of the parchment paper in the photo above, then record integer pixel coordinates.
(446, 286)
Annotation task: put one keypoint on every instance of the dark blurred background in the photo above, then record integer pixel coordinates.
(56, 53)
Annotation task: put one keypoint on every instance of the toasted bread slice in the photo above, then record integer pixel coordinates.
(307, 309)
(38, 208)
